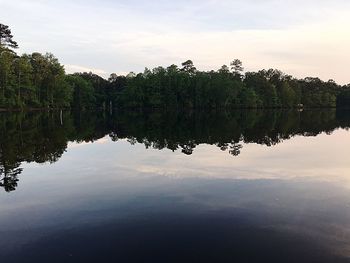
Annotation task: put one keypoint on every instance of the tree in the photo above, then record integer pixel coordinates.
(130, 75)
(83, 92)
(172, 69)
(100, 87)
(23, 72)
(237, 67)
(6, 38)
(248, 98)
(6, 78)
(343, 99)
(287, 96)
(224, 70)
(188, 67)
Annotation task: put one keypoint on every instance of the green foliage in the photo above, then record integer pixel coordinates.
(343, 100)
(32, 81)
(39, 81)
(99, 85)
(316, 93)
(189, 88)
(83, 92)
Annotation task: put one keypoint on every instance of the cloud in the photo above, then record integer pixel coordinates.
(317, 50)
(77, 68)
(300, 37)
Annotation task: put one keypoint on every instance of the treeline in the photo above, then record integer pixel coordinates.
(187, 87)
(39, 81)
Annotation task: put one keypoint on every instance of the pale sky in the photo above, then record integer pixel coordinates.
(300, 37)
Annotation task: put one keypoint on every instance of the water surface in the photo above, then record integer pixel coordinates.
(242, 186)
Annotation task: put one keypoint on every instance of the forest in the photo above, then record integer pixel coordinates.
(38, 81)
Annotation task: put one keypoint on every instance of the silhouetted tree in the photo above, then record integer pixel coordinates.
(188, 67)
(6, 37)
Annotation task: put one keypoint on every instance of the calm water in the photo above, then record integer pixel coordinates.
(244, 186)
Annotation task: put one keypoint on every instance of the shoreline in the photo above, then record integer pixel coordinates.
(166, 109)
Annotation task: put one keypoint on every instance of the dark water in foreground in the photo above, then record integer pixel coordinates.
(245, 186)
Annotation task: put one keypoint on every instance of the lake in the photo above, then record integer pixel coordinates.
(238, 186)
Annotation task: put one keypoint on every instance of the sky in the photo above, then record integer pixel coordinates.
(300, 37)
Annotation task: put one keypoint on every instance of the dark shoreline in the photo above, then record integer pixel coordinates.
(167, 109)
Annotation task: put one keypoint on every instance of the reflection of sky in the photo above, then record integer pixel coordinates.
(323, 157)
(297, 191)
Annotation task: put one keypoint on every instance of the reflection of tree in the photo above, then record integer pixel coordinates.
(226, 130)
(235, 149)
(43, 137)
(32, 137)
(188, 148)
(114, 136)
(9, 174)
(10, 179)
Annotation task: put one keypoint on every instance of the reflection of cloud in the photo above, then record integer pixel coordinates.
(298, 157)
(103, 140)
(72, 145)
